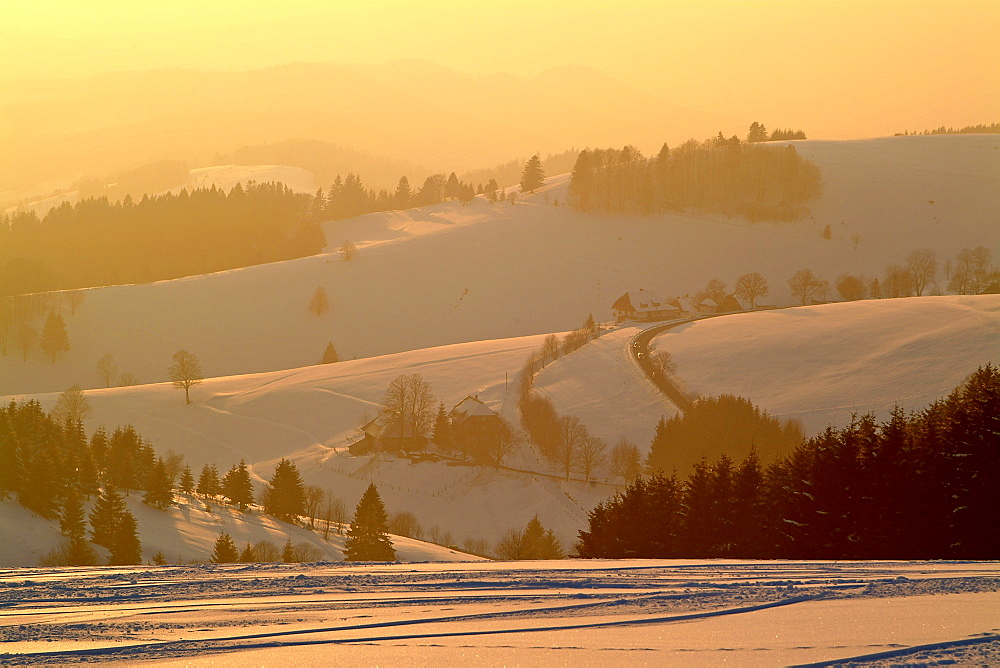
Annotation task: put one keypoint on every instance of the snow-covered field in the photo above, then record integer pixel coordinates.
(821, 364)
(505, 613)
(450, 274)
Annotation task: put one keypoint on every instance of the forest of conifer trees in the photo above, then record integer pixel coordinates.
(920, 486)
(720, 175)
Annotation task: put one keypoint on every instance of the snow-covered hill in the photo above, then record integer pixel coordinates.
(821, 364)
(187, 531)
(449, 274)
(818, 364)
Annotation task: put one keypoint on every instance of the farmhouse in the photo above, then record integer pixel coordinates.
(475, 427)
(385, 434)
(644, 306)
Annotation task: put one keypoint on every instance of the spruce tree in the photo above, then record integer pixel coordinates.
(54, 337)
(442, 435)
(329, 354)
(288, 553)
(187, 480)
(71, 520)
(248, 555)
(105, 515)
(533, 176)
(286, 496)
(159, 489)
(368, 538)
(208, 481)
(125, 547)
(237, 486)
(225, 551)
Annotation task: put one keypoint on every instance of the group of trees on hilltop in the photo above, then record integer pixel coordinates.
(716, 425)
(982, 128)
(921, 486)
(718, 175)
(97, 242)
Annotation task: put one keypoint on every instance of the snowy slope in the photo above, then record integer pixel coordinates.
(223, 177)
(186, 533)
(586, 612)
(449, 273)
(820, 364)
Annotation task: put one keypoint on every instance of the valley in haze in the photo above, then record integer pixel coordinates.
(316, 351)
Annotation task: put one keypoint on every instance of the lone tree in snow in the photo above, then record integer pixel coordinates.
(349, 250)
(368, 538)
(751, 286)
(320, 303)
(185, 372)
(533, 176)
(107, 369)
(329, 354)
(54, 337)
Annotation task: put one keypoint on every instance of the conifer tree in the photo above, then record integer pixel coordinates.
(125, 547)
(402, 196)
(54, 337)
(368, 538)
(286, 496)
(329, 354)
(248, 555)
(71, 519)
(288, 554)
(105, 516)
(442, 435)
(225, 551)
(208, 481)
(533, 176)
(319, 303)
(159, 488)
(537, 543)
(187, 480)
(237, 486)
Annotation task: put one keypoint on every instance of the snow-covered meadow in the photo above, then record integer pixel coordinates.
(506, 613)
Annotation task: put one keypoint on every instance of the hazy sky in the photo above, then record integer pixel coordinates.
(864, 67)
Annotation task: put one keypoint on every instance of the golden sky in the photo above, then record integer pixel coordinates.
(845, 67)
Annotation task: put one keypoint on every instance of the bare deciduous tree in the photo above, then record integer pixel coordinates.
(72, 406)
(348, 250)
(74, 298)
(406, 524)
(569, 440)
(592, 455)
(185, 372)
(107, 369)
(972, 273)
(922, 265)
(663, 363)
(716, 290)
(550, 349)
(626, 461)
(750, 287)
(804, 285)
(314, 499)
(410, 401)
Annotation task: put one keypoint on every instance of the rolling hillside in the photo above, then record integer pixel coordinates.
(449, 274)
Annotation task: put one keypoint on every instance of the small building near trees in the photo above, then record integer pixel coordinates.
(386, 434)
(475, 427)
(642, 306)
